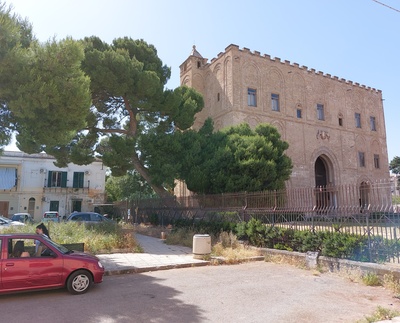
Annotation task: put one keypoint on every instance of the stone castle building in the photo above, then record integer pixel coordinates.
(335, 128)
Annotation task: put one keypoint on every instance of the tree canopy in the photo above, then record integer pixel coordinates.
(128, 186)
(231, 160)
(129, 101)
(81, 99)
(394, 165)
(15, 37)
(44, 93)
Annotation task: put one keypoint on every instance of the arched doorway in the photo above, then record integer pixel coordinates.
(324, 194)
(321, 172)
(364, 195)
(31, 206)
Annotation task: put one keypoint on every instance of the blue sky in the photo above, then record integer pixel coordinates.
(357, 40)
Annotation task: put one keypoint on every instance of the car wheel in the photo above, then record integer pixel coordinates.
(79, 282)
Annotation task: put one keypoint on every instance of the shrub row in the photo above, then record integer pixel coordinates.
(330, 244)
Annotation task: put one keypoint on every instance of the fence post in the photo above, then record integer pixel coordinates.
(369, 236)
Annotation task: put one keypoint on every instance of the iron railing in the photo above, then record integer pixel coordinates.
(364, 210)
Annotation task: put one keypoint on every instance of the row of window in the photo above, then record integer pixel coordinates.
(59, 179)
(361, 160)
(252, 102)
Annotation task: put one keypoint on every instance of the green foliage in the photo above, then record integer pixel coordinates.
(256, 232)
(97, 238)
(49, 83)
(381, 314)
(15, 39)
(62, 97)
(204, 226)
(371, 279)
(154, 219)
(130, 186)
(242, 159)
(340, 245)
(331, 244)
(394, 165)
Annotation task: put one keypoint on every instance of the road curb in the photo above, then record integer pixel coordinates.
(136, 270)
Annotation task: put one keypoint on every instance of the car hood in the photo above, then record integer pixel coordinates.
(16, 223)
(78, 254)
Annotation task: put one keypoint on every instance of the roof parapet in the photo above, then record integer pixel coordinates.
(293, 65)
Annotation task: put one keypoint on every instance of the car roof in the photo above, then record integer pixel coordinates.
(19, 235)
(77, 213)
(21, 213)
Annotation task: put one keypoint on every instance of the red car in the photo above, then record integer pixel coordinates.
(31, 261)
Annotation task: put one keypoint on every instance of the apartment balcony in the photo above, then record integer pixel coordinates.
(66, 190)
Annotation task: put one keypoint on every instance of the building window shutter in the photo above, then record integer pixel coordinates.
(78, 180)
(49, 179)
(64, 179)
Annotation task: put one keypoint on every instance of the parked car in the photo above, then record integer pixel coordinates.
(6, 222)
(23, 218)
(88, 217)
(51, 216)
(23, 268)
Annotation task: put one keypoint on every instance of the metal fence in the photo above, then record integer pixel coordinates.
(364, 210)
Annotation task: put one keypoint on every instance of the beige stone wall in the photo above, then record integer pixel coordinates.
(224, 82)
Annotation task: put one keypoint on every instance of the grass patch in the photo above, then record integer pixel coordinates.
(381, 314)
(181, 237)
(232, 252)
(393, 284)
(98, 238)
(371, 279)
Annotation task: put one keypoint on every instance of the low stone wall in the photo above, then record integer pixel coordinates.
(313, 260)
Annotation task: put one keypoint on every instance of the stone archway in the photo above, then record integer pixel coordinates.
(364, 195)
(321, 172)
(325, 199)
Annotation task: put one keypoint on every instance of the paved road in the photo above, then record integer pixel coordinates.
(252, 292)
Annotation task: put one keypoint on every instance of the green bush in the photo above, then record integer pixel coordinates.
(96, 237)
(335, 244)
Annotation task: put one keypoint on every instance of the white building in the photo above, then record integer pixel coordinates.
(33, 184)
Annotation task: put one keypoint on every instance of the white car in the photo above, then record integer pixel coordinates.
(22, 217)
(5, 222)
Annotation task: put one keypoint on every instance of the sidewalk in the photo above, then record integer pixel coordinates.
(156, 256)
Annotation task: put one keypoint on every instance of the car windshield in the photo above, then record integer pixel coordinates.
(60, 248)
(5, 219)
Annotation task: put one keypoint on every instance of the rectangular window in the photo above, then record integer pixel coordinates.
(376, 161)
(78, 180)
(372, 123)
(361, 159)
(251, 97)
(298, 113)
(57, 179)
(320, 112)
(218, 97)
(357, 117)
(275, 102)
(8, 178)
(341, 122)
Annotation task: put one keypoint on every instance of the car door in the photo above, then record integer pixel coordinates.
(32, 272)
(14, 272)
(46, 270)
(1, 261)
